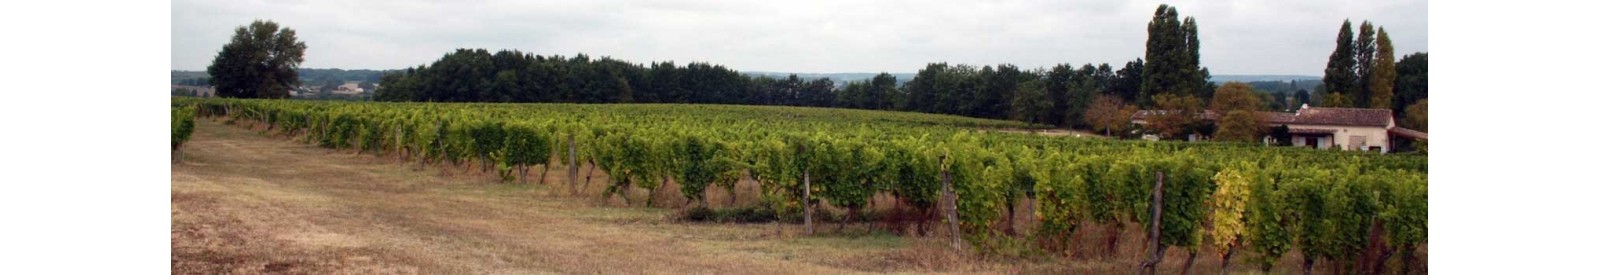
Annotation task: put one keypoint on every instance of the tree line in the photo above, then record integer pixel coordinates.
(1361, 72)
(476, 75)
(1055, 96)
(1060, 95)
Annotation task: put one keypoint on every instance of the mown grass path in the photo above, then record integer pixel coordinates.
(246, 203)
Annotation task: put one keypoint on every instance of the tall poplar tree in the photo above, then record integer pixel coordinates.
(1340, 75)
(1192, 75)
(1172, 57)
(1381, 81)
(1365, 47)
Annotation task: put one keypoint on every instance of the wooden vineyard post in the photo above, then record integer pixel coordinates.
(807, 200)
(950, 208)
(1149, 266)
(572, 165)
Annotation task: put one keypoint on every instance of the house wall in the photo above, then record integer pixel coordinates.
(1322, 142)
(1374, 136)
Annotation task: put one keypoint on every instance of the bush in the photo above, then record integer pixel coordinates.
(730, 215)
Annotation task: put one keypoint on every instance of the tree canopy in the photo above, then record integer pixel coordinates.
(259, 62)
(1340, 76)
(1109, 114)
(1057, 95)
(1235, 96)
(1176, 115)
(1361, 71)
(1416, 116)
(1237, 104)
(1411, 81)
(1172, 57)
(1366, 49)
(1381, 82)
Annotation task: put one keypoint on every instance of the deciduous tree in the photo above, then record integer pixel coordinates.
(1080, 93)
(1335, 100)
(1237, 103)
(1417, 116)
(1235, 96)
(1175, 115)
(1411, 81)
(1127, 81)
(1031, 104)
(1239, 126)
(1109, 114)
(259, 62)
(1301, 97)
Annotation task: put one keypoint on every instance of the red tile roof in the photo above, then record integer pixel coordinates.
(1312, 131)
(1146, 114)
(1345, 117)
(1276, 117)
(1408, 133)
(1307, 116)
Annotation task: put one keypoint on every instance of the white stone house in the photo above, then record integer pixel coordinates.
(349, 88)
(1351, 129)
(1343, 128)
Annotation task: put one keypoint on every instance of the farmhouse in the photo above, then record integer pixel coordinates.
(349, 88)
(1316, 127)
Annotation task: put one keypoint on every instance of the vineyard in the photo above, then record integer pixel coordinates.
(182, 127)
(1347, 209)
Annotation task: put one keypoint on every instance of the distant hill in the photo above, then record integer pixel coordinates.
(191, 78)
(324, 75)
(841, 78)
(177, 75)
(837, 78)
(310, 76)
(1223, 78)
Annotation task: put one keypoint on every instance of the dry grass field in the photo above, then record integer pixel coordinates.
(248, 202)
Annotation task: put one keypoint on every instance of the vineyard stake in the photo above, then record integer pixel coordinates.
(806, 200)
(950, 210)
(1156, 249)
(572, 165)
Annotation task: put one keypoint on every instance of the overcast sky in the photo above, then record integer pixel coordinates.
(1237, 37)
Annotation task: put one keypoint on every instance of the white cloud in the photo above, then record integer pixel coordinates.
(1247, 36)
